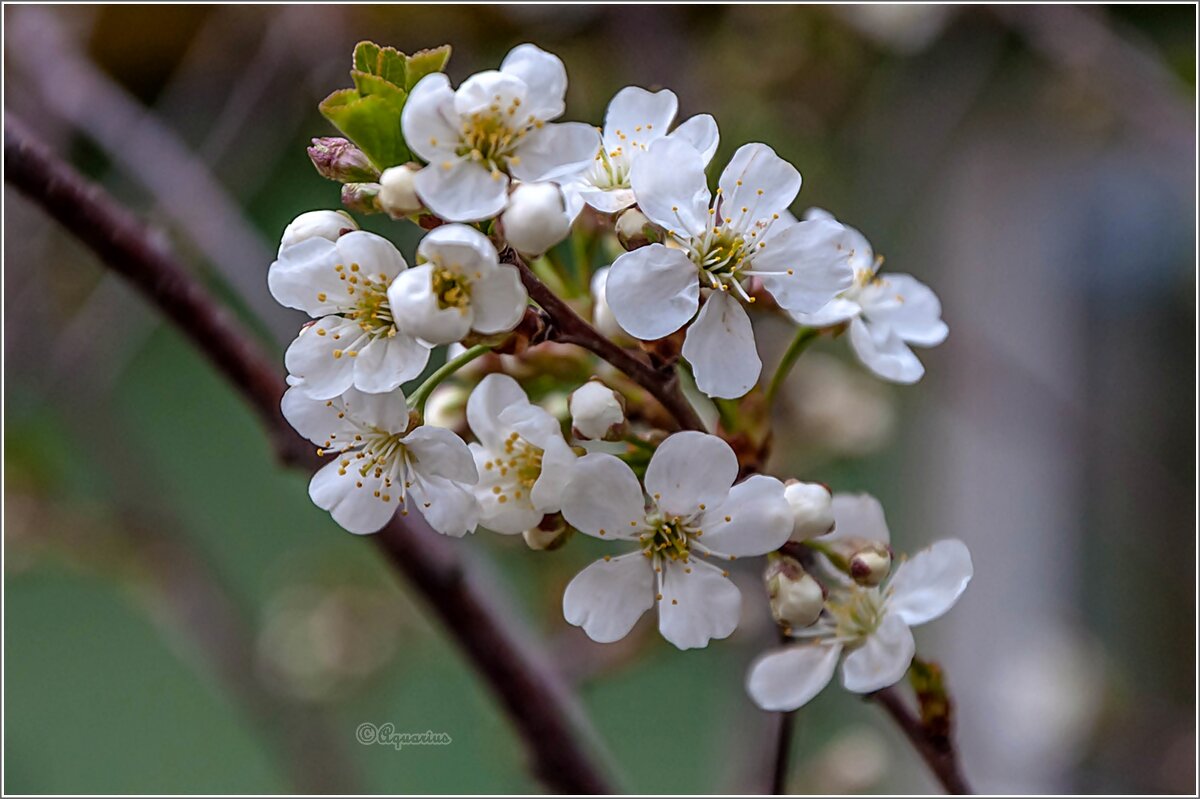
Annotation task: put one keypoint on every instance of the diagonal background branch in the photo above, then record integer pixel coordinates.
(531, 692)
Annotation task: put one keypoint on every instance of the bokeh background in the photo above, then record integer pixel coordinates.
(179, 618)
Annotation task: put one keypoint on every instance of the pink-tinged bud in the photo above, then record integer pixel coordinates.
(597, 412)
(338, 159)
(361, 197)
(797, 599)
(398, 194)
(634, 229)
(871, 565)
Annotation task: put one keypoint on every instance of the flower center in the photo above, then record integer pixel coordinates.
(490, 136)
(520, 466)
(377, 456)
(452, 288)
(857, 613)
(668, 538)
(611, 170)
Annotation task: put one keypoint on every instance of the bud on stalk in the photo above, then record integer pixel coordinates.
(397, 193)
(535, 219)
(361, 197)
(338, 159)
(797, 599)
(597, 412)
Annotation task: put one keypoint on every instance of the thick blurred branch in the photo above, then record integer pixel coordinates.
(571, 328)
(529, 689)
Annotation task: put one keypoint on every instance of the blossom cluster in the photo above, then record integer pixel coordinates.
(496, 182)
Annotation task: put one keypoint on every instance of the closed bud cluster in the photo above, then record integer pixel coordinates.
(797, 599)
(338, 159)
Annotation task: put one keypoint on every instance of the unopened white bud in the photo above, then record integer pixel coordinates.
(397, 192)
(446, 406)
(631, 229)
(796, 597)
(317, 224)
(871, 565)
(812, 509)
(597, 412)
(535, 219)
(552, 533)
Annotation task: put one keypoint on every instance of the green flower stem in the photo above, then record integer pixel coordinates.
(804, 337)
(421, 395)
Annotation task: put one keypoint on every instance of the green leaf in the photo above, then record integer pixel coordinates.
(392, 67)
(366, 56)
(424, 63)
(373, 85)
(372, 122)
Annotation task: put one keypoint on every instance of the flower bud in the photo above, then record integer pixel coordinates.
(869, 566)
(317, 224)
(597, 412)
(361, 197)
(535, 219)
(397, 195)
(796, 597)
(550, 534)
(633, 229)
(812, 509)
(602, 316)
(446, 406)
(338, 159)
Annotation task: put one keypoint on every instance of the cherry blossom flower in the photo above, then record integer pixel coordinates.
(523, 461)
(496, 125)
(869, 623)
(458, 285)
(716, 243)
(343, 283)
(694, 512)
(887, 313)
(381, 462)
(635, 119)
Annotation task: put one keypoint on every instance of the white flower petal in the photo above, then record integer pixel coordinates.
(417, 312)
(604, 498)
(461, 248)
(313, 418)
(355, 509)
(429, 121)
(608, 201)
(759, 519)
(387, 412)
(387, 362)
(461, 190)
(377, 258)
(498, 300)
(760, 181)
(701, 132)
(805, 265)
(908, 307)
(318, 355)
(607, 598)
(304, 277)
(670, 186)
(316, 224)
(488, 400)
(515, 514)
(653, 291)
(788, 678)
(928, 584)
(555, 151)
(720, 347)
(545, 76)
(835, 312)
(558, 467)
(857, 516)
(440, 452)
(489, 94)
(447, 506)
(635, 117)
(690, 470)
(885, 353)
(882, 660)
(698, 604)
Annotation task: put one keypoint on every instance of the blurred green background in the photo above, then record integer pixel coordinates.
(180, 619)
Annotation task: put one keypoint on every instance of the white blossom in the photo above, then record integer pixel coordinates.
(343, 283)
(536, 218)
(496, 125)
(380, 464)
(717, 244)
(887, 313)
(597, 412)
(523, 461)
(635, 119)
(868, 623)
(693, 512)
(317, 224)
(458, 286)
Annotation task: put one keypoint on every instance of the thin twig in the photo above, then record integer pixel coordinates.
(528, 688)
(571, 328)
(783, 752)
(936, 751)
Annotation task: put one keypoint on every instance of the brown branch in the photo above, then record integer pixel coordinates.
(570, 328)
(783, 752)
(528, 689)
(935, 749)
